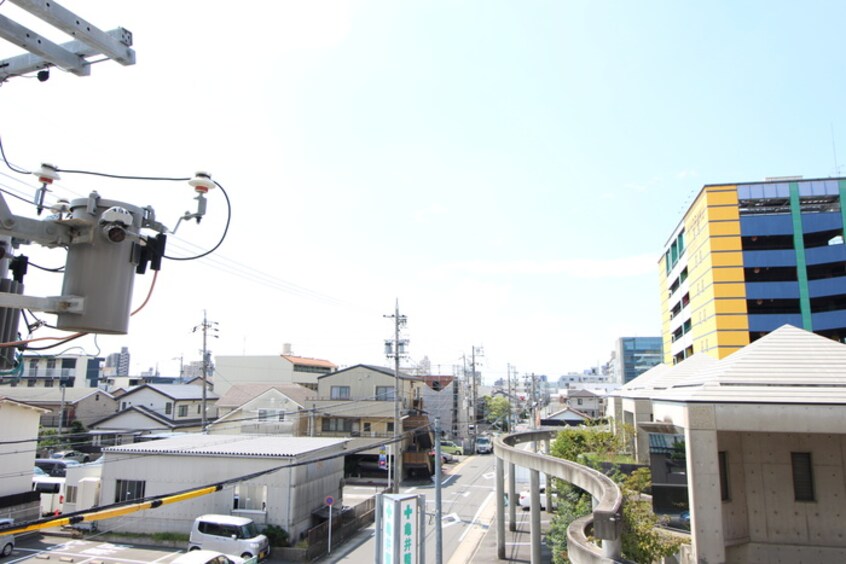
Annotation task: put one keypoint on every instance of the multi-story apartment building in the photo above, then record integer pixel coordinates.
(635, 355)
(748, 258)
(117, 364)
(71, 371)
(359, 402)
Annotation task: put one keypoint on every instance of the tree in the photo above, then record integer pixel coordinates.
(496, 409)
(642, 540)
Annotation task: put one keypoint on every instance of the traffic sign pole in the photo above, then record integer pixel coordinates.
(330, 501)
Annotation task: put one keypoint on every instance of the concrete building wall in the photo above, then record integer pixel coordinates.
(94, 407)
(266, 369)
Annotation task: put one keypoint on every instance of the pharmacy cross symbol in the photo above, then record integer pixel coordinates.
(408, 511)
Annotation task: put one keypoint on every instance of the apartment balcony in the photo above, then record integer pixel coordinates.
(352, 408)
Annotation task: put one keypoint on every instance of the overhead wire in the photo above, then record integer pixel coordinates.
(151, 502)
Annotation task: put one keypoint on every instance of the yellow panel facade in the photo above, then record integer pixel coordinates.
(727, 258)
(724, 228)
(723, 213)
(721, 195)
(728, 274)
(731, 290)
(731, 322)
(726, 244)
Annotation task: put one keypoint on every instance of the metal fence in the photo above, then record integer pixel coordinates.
(343, 528)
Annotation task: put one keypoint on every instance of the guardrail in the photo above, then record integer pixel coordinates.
(606, 521)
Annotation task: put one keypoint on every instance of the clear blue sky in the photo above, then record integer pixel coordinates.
(509, 170)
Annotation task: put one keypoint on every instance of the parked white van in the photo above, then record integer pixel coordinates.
(230, 535)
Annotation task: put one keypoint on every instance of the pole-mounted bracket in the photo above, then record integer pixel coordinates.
(50, 304)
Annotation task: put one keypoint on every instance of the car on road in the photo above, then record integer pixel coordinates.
(525, 500)
(210, 557)
(229, 534)
(446, 457)
(452, 448)
(71, 455)
(484, 445)
(7, 542)
(56, 467)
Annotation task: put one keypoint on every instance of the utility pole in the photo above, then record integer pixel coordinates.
(439, 519)
(474, 391)
(205, 326)
(510, 401)
(396, 349)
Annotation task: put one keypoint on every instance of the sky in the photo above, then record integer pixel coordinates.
(507, 172)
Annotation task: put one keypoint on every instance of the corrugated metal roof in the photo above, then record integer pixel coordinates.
(251, 446)
(48, 395)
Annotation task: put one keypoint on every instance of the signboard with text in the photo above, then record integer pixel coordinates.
(399, 532)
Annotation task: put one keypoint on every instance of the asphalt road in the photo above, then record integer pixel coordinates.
(468, 506)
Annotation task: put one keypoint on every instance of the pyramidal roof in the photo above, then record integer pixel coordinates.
(662, 376)
(788, 365)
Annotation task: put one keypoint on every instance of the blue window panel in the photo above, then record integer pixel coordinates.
(766, 225)
(827, 287)
(772, 290)
(829, 320)
(828, 221)
(822, 255)
(818, 188)
(772, 321)
(761, 191)
(752, 259)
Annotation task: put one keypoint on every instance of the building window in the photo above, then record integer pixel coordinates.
(340, 393)
(385, 393)
(123, 405)
(30, 383)
(168, 408)
(337, 425)
(390, 426)
(803, 476)
(367, 426)
(271, 415)
(724, 475)
(48, 383)
(126, 490)
(250, 496)
(70, 494)
(183, 411)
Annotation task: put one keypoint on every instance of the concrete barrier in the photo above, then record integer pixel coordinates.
(606, 521)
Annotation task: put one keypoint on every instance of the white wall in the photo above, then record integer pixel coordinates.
(269, 369)
(311, 483)
(18, 423)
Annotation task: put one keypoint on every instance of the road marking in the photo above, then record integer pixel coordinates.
(489, 475)
(450, 519)
(476, 517)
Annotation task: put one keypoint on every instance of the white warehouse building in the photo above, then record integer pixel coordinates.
(286, 498)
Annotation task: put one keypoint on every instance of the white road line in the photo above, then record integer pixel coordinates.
(476, 517)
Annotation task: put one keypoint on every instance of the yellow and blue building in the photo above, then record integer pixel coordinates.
(748, 258)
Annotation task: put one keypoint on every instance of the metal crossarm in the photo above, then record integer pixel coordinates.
(88, 41)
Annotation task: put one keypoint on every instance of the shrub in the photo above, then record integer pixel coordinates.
(276, 535)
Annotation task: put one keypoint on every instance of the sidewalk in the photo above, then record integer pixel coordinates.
(518, 544)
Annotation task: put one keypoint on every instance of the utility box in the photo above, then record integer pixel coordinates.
(102, 270)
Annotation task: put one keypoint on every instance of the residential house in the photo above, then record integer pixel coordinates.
(19, 422)
(153, 409)
(268, 369)
(276, 409)
(567, 417)
(85, 405)
(758, 438)
(587, 402)
(287, 497)
(359, 402)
